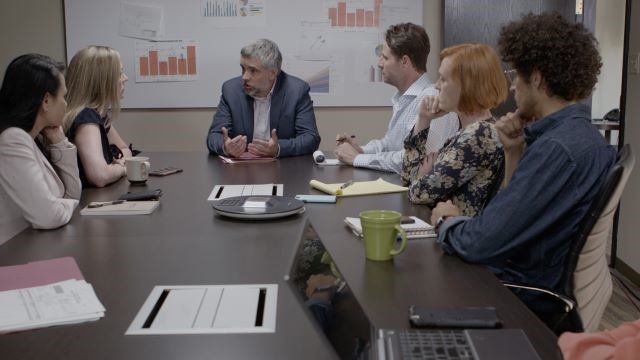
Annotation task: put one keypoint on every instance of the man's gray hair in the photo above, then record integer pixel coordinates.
(266, 51)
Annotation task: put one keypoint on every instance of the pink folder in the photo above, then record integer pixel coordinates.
(39, 273)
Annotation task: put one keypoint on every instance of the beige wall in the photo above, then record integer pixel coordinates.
(610, 35)
(38, 26)
(629, 229)
(27, 30)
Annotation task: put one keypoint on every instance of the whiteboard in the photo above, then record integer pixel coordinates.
(330, 43)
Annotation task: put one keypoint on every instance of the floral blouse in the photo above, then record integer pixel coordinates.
(466, 170)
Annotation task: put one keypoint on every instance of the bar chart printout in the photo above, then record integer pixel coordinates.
(166, 61)
(354, 13)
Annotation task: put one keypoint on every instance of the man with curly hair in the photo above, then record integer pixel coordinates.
(555, 160)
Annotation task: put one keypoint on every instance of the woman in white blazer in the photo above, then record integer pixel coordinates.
(39, 182)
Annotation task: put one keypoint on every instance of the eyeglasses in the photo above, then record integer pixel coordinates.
(511, 75)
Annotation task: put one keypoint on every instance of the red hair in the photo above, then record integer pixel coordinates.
(476, 69)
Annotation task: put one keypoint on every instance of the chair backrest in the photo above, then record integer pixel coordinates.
(587, 275)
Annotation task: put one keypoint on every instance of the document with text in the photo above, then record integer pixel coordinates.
(65, 302)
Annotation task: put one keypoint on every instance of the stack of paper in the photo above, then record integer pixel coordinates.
(246, 157)
(66, 302)
(45, 293)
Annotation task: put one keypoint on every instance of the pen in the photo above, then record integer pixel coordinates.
(347, 184)
(105, 203)
(344, 138)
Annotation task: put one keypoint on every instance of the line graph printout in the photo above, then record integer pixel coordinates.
(323, 75)
(397, 11)
(234, 13)
(141, 21)
(166, 61)
(366, 57)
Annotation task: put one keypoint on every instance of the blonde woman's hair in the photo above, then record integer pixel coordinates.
(93, 81)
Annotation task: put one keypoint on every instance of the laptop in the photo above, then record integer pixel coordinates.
(335, 312)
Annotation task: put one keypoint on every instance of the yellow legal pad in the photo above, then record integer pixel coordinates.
(358, 188)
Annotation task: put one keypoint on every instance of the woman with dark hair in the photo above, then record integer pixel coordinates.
(39, 182)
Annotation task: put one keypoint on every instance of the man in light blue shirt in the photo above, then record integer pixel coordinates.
(403, 63)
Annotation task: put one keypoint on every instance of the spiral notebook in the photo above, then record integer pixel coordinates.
(417, 230)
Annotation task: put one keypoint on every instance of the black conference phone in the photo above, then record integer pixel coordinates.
(612, 115)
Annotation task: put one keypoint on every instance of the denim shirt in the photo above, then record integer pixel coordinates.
(524, 233)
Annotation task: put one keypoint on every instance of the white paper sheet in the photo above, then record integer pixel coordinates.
(202, 309)
(64, 302)
(141, 21)
(240, 190)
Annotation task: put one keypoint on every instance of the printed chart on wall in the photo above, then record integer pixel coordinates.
(166, 61)
(224, 13)
(180, 52)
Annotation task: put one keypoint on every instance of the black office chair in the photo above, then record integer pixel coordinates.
(586, 284)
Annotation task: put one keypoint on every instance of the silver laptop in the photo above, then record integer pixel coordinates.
(335, 312)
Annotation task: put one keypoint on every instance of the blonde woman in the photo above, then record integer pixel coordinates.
(95, 79)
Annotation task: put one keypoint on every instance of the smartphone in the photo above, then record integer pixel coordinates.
(142, 195)
(164, 171)
(407, 220)
(477, 317)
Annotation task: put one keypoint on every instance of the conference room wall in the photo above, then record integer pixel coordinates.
(38, 26)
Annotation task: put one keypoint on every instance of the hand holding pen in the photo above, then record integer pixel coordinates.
(346, 148)
(342, 138)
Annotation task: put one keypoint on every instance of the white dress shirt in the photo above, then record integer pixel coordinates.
(386, 153)
(34, 191)
(262, 116)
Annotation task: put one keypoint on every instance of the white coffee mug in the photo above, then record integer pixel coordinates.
(137, 169)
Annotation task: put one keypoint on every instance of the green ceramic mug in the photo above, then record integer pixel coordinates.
(379, 230)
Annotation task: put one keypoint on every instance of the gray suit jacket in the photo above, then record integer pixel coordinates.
(291, 115)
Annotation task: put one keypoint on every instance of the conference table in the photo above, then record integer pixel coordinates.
(184, 243)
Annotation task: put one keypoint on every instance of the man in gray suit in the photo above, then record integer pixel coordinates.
(265, 111)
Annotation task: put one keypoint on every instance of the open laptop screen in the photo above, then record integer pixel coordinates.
(321, 290)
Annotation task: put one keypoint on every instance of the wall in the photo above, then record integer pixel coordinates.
(628, 230)
(25, 30)
(37, 26)
(610, 35)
